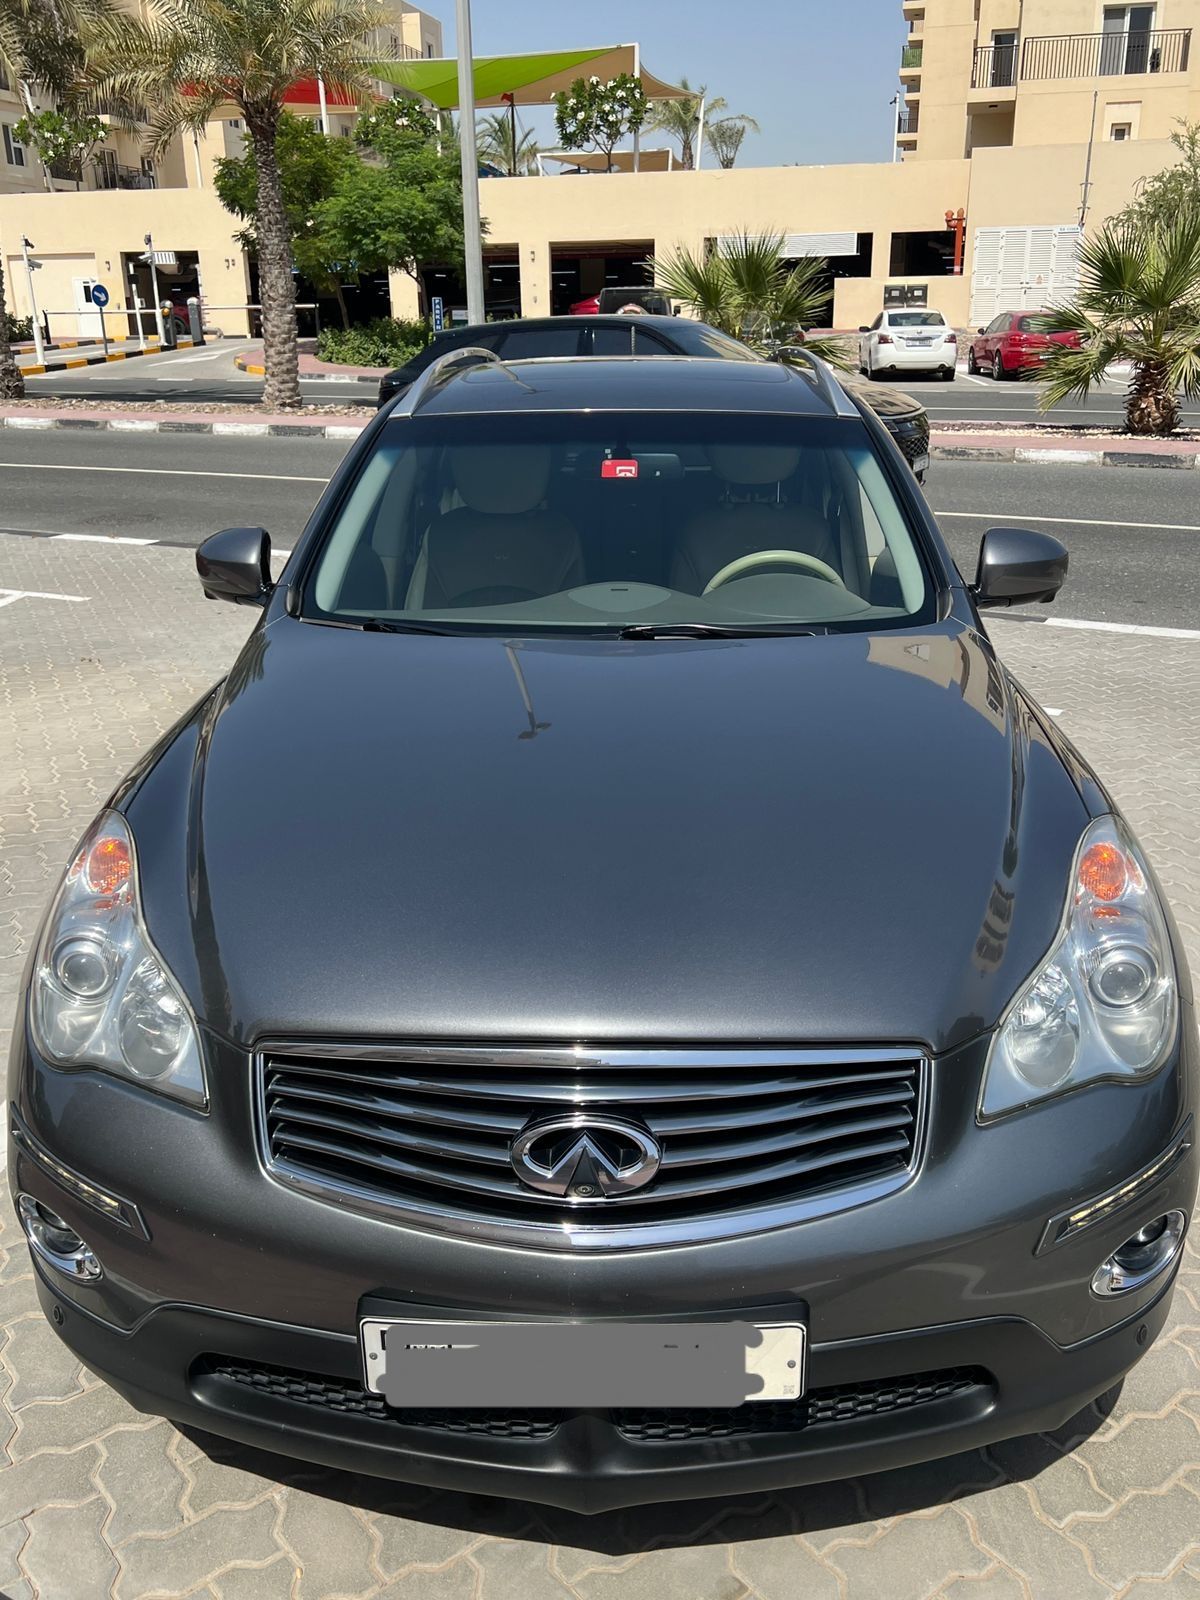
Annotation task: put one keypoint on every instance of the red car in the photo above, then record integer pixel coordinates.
(1010, 344)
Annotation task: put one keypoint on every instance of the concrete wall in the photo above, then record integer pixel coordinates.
(84, 235)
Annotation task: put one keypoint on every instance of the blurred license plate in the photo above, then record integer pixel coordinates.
(920, 465)
(584, 1364)
(920, 341)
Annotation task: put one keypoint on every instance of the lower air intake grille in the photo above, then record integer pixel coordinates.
(744, 1135)
(820, 1408)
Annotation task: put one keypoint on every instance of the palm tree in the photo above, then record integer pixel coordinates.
(39, 43)
(495, 136)
(726, 135)
(1138, 301)
(182, 60)
(680, 119)
(748, 289)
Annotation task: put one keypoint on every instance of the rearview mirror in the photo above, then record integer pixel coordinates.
(1018, 567)
(236, 565)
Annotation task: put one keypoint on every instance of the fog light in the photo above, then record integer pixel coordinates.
(54, 1241)
(1142, 1257)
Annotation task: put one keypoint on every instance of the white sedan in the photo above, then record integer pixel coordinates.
(907, 341)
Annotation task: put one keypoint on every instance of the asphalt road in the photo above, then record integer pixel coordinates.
(208, 376)
(204, 376)
(1134, 534)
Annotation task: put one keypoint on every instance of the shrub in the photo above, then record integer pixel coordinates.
(18, 327)
(386, 342)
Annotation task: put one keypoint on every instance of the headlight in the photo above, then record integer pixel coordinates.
(1103, 1004)
(102, 995)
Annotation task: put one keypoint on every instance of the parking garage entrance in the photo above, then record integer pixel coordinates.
(579, 272)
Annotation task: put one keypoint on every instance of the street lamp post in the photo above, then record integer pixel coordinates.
(472, 228)
(39, 348)
(158, 316)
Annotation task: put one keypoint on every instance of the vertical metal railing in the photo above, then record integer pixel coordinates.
(1104, 55)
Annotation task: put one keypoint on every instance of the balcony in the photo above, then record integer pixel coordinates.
(1081, 55)
(111, 175)
(910, 119)
(910, 58)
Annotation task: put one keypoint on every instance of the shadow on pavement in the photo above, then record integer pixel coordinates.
(676, 1524)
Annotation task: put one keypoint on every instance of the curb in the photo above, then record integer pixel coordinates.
(256, 369)
(1176, 461)
(39, 369)
(245, 430)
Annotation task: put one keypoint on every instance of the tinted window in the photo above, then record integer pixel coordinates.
(594, 522)
(916, 319)
(612, 341)
(526, 344)
(646, 343)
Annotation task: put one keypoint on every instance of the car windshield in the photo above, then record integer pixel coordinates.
(916, 319)
(605, 522)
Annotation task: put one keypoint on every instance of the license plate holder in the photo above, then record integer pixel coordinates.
(465, 1364)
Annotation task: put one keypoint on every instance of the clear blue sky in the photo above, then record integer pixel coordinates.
(817, 76)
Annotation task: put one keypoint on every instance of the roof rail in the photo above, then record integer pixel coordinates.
(822, 377)
(440, 371)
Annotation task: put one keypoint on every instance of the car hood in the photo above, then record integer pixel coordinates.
(884, 402)
(849, 838)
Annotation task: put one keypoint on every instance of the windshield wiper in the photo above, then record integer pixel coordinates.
(378, 625)
(709, 630)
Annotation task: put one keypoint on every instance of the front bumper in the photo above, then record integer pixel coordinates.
(238, 1313)
(872, 1405)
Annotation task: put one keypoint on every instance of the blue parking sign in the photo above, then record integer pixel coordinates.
(438, 307)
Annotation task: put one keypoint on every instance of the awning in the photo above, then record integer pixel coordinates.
(622, 160)
(530, 80)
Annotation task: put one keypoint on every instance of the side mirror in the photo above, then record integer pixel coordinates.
(980, 330)
(864, 329)
(676, 311)
(236, 565)
(1018, 567)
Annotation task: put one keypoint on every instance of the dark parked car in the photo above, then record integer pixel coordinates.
(905, 418)
(618, 995)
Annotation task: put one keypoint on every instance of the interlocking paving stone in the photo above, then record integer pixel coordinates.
(83, 690)
(200, 1551)
(781, 1569)
(65, 1557)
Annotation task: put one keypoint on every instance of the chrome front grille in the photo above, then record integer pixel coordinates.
(749, 1138)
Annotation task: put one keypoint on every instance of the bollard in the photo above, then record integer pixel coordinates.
(168, 324)
(195, 322)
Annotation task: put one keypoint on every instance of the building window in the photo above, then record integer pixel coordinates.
(14, 151)
(429, 51)
(4, 83)
(1120, 131)
(236, 124)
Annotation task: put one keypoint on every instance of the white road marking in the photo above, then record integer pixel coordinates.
(1073, 522)
(157, 472)
(967, 377)
(1124, 627)
(8, 596)
(1052, 711)
(101, 538)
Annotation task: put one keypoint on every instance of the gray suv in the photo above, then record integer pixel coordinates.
(618, 995)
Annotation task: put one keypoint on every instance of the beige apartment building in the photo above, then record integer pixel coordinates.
(1034, 118)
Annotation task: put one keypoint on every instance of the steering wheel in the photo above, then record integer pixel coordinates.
(771, 558)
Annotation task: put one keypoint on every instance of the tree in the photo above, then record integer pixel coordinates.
(748, 289)
(310, 168)
(181, 61)
(726, 135)
(495, 136)
(599, 115)
(403, 205)
(1138, 301)
(62, 139)
(1175, 191)
(39, 44)
(680, 119)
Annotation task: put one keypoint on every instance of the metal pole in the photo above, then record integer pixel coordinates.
(637, 132)
(103, 331)
(1087, 174)
(324, 107)
(896, 129)
(472, 228)
(38, 347)
(158, 317)
(700, 135)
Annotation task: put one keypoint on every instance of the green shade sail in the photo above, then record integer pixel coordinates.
(530, 80)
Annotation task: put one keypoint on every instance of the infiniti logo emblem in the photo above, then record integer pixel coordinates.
(584, 1158)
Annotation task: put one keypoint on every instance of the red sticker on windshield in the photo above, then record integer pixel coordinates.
(618, 469)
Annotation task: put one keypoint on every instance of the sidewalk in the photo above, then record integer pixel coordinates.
(250, 360)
